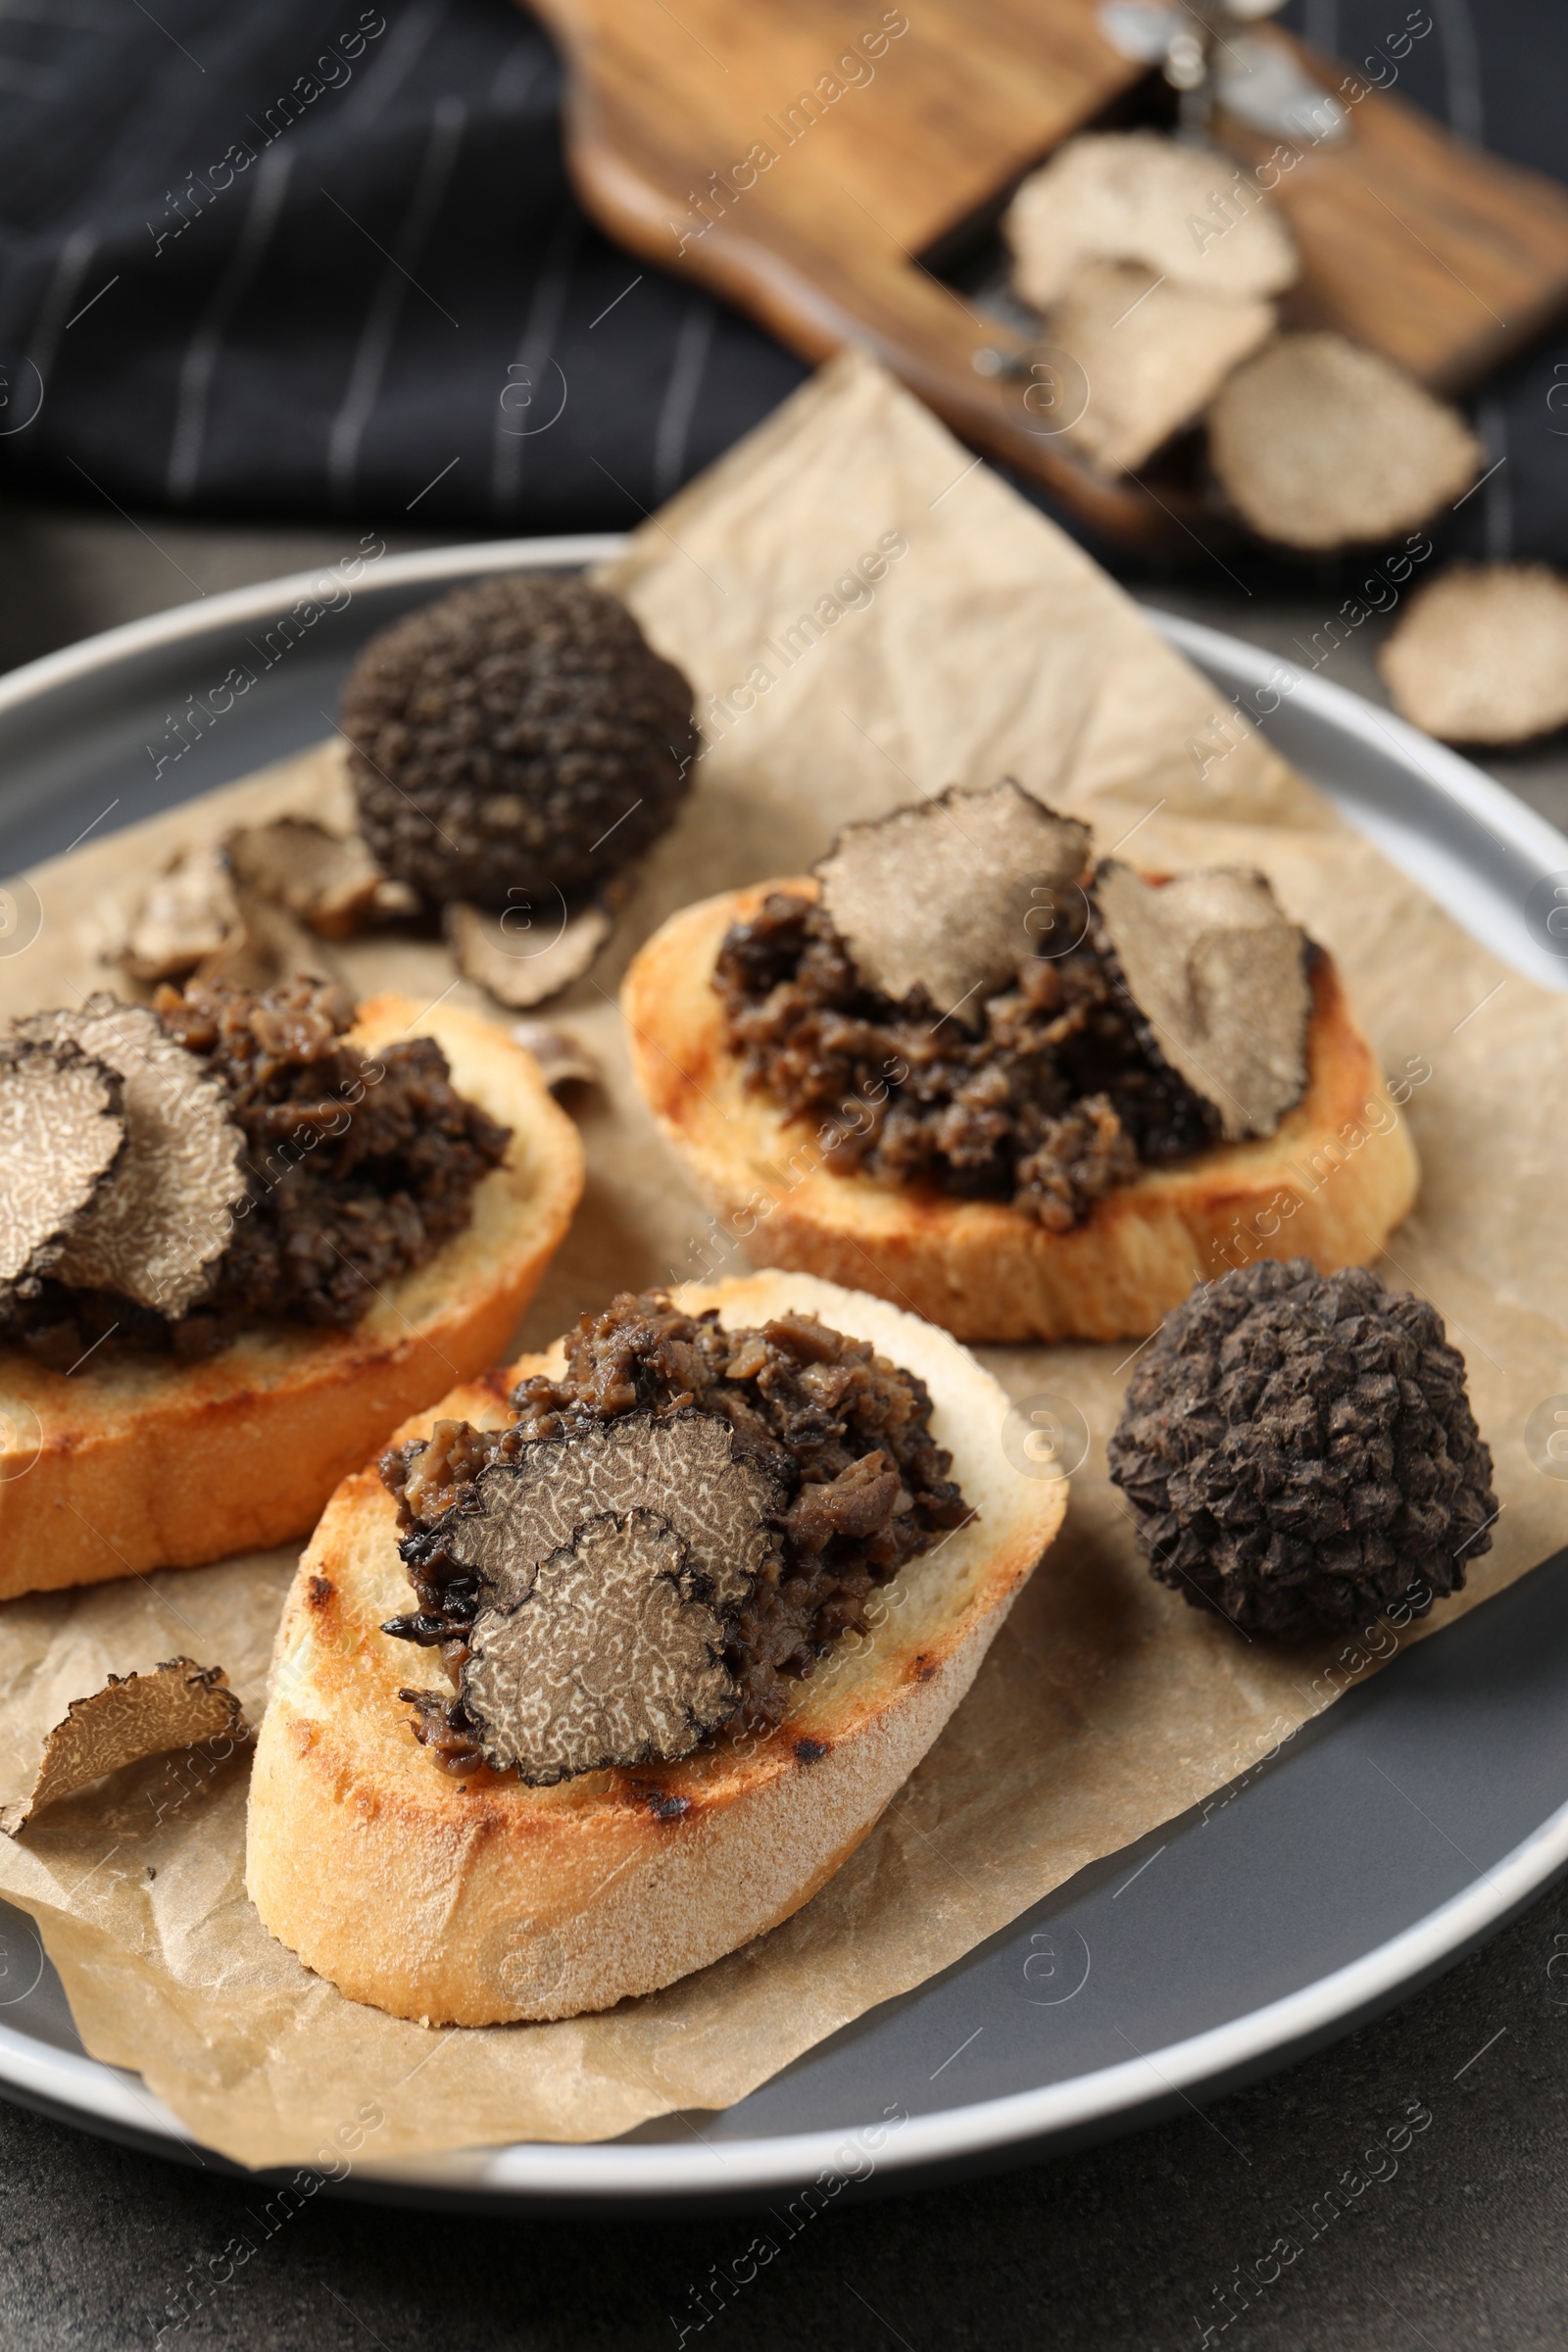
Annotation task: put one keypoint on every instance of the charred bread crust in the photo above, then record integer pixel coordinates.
(138, 1463)
(981, 1268)
(470, 1902)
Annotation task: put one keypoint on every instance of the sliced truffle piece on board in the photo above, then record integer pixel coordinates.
(1184, 213)
(494, 950)
(610, 1661)
(164, 1221)
(1318, 443)
(682, 1468)
(1299, 1453)
(190, 911)
(949, 894)
(329, 881)
(1481, 655)
(1221, 976)
(62, 1131)
(1155, 354)
(134, 1715)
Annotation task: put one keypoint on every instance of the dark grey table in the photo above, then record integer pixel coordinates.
(1139, 2244)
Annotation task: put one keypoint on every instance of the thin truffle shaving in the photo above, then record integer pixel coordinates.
(323, 1175)
(61, 1136)
(827, 1482)
(612, 1660)
(165, 1216)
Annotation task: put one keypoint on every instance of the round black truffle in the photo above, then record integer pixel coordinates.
(515, 739)
(1299, 1453)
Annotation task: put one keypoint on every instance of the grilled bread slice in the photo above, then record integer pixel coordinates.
(1330, 1184)
(468, 1903)
(135, 1461)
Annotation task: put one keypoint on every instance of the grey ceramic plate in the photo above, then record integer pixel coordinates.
(1389, 1837)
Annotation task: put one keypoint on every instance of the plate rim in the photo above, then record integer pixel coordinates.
(95, 2092)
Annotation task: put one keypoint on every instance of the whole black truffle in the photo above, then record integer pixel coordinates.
(518, 737)
(1300, 1452)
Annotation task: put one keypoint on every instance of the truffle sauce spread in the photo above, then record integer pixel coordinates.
(354, 1171)
(1054, 1096)
(841, 1437)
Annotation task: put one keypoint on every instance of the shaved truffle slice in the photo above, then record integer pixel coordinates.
(1221, 978)
(611, 1564)
(165, 1219)
(1184, 213)
(1155, 351)
(134, 1715)
(190, 911)
(1320, 443)
(609, 1661)
(329, 881)
(1482, 654)
(682, 1466)
(948, 895)
(494, 952)
(61, 1133)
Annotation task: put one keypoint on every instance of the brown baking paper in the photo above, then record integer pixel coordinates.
(880, 617)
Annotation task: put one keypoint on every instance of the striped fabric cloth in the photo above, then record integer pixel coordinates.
(315, 258)
(311, 256)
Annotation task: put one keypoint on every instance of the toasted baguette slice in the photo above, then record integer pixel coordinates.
(979, 1267)
(469, 1902)
(138, 1463)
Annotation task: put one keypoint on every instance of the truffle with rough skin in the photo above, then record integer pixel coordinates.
(164, 1221)
(611, 1659)
(518, 736)
(951, 894)
(62, 1133)
(592, 1551)
(1221, 978)
(1300, 1452)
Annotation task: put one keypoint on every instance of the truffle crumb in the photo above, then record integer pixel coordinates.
(61, 1134)
(521, 734)
(1300, 1452)
(948, 895)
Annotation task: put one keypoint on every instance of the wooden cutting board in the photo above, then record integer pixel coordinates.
(806, 159)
